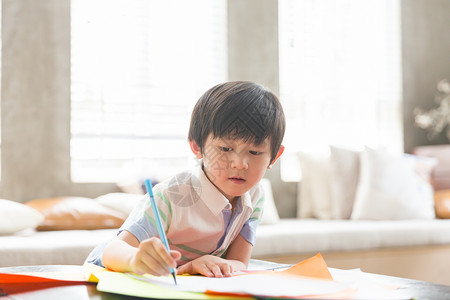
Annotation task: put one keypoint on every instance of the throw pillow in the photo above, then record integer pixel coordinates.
(344, 170)
(442, 204)
(270, 213)
(15, 216)
(390, 189)
(121, 202)
(70, 213)
(314, 196)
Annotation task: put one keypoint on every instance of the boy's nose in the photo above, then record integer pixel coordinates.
(239, 162)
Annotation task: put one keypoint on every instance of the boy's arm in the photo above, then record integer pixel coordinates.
(237, 258)
(240, 250)
(126, 254)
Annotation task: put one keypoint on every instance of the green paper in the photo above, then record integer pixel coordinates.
(120, 283)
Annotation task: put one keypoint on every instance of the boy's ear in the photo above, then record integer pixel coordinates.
(195, 149)
(280, 151)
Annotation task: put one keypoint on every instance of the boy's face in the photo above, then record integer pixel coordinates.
(234, 166)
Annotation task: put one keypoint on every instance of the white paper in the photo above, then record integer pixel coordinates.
(368, 287)
(252, 284)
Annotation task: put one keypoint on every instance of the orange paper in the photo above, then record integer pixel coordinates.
(19, 283)
(312, 267)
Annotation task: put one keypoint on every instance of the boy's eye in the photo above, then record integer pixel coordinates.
(255, 152)
(225, 149)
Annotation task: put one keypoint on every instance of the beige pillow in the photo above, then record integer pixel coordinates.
(121, 202)
(344, 165)
(69, 213)
(270, 212)
(442, 204)
(314, 198)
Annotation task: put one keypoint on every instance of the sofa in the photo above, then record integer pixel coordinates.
(415, 245)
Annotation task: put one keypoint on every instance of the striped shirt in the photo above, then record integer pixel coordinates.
(197, 218)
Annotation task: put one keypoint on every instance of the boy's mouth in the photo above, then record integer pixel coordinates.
(237, 180)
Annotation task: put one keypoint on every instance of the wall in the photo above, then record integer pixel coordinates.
(35, 102)
(426, 60)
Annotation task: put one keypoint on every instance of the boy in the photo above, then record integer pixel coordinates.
(210, 214)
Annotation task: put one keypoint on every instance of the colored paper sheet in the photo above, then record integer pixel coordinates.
(310, 279)
(62, 276)
(306, 279)
(92, 271)
(314, 267)
(19, 283)
(121, 283)
(255, 284)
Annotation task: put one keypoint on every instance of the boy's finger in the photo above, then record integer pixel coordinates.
(146, 264)
(152, 258)
(165, 256)
(186, 268)
(226, 270)
(154, 264)
(205, 270)
(176, 255)
(215, 269)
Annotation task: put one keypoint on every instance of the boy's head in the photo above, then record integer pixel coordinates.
(238, 110)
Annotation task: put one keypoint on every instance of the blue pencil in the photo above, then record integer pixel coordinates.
(162, 234)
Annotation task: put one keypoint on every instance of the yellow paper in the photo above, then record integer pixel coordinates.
(91, 270)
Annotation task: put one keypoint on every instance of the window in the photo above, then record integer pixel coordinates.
(138, 67)
(340, 74)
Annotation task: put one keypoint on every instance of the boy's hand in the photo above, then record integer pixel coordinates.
(152, 258)
(208, 265)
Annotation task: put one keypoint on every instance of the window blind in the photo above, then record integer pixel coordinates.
(137, 69)
(340, 75)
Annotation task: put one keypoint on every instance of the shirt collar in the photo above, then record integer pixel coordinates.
(212, 197)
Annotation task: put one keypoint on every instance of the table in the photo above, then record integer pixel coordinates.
(419, 289)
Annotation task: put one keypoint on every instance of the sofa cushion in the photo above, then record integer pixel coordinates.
(344, 164)
(313, 200)
(15, 216)
(390, 188)
(270, 213)
(69, 213)
(440, 178)
(121, 202)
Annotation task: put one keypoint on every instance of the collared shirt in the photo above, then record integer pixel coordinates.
(197, 218)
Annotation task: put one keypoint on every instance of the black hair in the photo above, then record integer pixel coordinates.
(238, 110)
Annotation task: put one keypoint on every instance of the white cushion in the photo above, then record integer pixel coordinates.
(314, 198)
(270, 213)
(15, 216)
(344, 164)
(390, 189)
(122, 202)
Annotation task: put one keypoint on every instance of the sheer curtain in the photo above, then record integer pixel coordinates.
(340, 75)
(138, 67)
